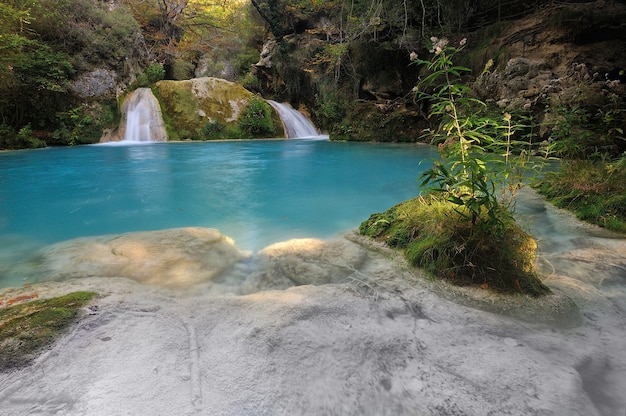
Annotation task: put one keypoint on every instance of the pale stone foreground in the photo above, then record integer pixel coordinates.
(221, 332)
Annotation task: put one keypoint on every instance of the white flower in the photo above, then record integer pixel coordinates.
(463, 42)
(438, 44)
(413, 56)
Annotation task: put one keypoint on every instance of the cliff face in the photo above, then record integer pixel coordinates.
(562, 50)
(360, 88)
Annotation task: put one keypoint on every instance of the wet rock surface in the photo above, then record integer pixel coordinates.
(377, 339)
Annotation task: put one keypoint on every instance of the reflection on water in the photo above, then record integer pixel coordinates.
(256, 192)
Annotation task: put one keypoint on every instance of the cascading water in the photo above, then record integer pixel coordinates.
(296, 124)
(141, 118)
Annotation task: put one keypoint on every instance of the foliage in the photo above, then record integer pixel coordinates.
(250, 82)
(43, 46)
(256, 119)
(594, 190)
(479, 171)
(463, 230)
(153, 74)
(27, 328)
(36, 79)
(214, 130)
(580, 131)
(435, 235)
(182, 33)
(23, 139)
(91, 32)
(84, 124)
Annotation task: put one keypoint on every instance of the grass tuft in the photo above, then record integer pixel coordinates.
(28, 328)
(593, 190)
(438, 238)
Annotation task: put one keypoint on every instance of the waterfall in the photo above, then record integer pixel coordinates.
(296, 124)
(141, 118)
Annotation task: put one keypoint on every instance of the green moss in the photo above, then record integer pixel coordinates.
(26, 329)
(438, 238)
(178, 107)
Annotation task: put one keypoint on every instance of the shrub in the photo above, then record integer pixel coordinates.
(85, 123)
(250, 82)
(23, 139)
(256, 119)
(463, 229)
(155, 73)
(212, 130)
(480, 170)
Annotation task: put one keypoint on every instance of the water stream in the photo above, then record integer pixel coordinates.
(142, 120)
(296, 124)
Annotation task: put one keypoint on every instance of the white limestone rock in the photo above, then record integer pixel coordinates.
(175, 257)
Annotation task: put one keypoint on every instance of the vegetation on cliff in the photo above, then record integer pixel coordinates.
(349, 61)
(63, 61)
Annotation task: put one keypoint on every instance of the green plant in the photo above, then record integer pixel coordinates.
(151, 75)
(479, 170)
(256, 119)
(579, 128)
(463, 175)
(462, 230)
(23, 139)
(250, 81)
(435, 235)
(595, 191)
(211, 130)
(155, 73)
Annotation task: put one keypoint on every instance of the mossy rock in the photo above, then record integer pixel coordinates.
(203, 108)
(438, 238)
(28, 328)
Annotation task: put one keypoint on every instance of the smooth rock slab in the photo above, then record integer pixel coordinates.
(175, 257)
(305, 261)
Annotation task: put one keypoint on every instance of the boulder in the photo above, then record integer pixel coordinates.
(99, 83)
(306, 261)
(190, 104)
(176, 257)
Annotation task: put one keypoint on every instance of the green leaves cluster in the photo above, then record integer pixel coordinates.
(256, 119)
(44, 45)
(463, 230)
(479, 170)
(594, 190)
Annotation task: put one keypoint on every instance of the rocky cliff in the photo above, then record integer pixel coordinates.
(559, 55)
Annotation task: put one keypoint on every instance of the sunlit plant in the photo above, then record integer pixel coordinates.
(479, 170)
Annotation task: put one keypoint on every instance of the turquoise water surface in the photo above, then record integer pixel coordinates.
(257, 192)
